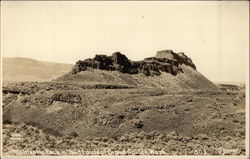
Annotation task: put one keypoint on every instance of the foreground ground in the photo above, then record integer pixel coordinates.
(69, 119)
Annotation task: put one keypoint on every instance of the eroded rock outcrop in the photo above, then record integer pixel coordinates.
(164, 61)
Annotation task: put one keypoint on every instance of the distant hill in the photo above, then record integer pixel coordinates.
(24, 69)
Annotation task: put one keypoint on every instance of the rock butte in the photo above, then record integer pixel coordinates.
(164, 61)
(174, 71)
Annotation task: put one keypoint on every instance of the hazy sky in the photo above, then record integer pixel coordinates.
(214, 34)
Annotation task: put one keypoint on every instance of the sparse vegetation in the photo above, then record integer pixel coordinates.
(113, 108)
(127, 126)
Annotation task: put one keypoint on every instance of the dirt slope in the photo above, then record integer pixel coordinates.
(189, 79)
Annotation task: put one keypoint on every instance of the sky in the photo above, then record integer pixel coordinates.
(214, 34)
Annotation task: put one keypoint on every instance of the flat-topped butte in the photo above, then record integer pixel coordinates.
(164, 61)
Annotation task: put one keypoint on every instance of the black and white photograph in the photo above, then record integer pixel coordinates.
(125, 78)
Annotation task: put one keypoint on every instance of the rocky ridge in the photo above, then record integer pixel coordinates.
(164, 61)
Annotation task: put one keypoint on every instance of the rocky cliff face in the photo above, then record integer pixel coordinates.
(164, 61)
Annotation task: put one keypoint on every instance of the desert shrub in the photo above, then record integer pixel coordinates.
(9, 99)
(121, 116)
(6, 121)
(52, 132)
(141, 135)
(124, 138)
(150, 135)
(25, 100)
(74, 134)
(70, 97)
(35, 100)
(173, 134)
(202, 136)
(111, 140)
(114, 137)
(131, 136)
(6, 117)
(189, 100)
(235, 121)
(37, 131)
(104, 139)
(138, 124)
